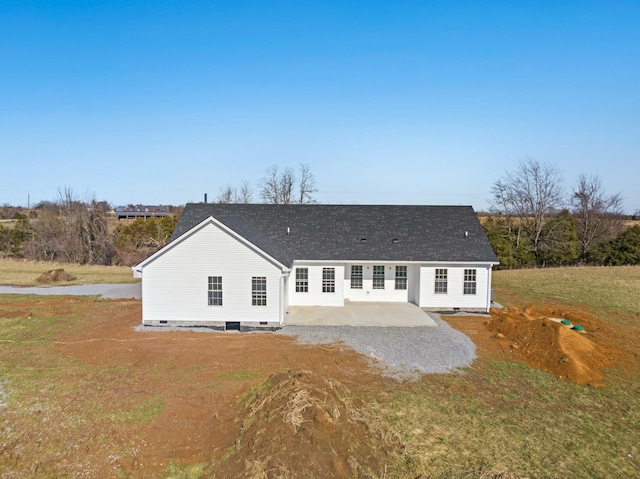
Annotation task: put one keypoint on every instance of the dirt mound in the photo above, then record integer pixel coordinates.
(537, 337)
(302, 425)
(55, 276)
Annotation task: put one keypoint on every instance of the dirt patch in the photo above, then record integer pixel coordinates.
(58, 275)
(4, 313)
(536, 336)
(133, 402)
(302, 425)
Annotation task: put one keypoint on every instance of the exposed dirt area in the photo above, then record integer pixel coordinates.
(303, 425)
(108, 401)
(536, 336)
(197, 381)
(57, 275)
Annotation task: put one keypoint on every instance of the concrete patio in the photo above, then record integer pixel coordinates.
(359, 314)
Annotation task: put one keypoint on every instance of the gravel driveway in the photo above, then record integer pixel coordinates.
(403, 352)
(107, 291)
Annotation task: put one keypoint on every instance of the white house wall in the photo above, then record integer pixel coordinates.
(455, 297)
(315, 296)
(175, 284)
(388, 293)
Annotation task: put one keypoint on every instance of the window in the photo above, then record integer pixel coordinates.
(328, 280)
(378, 277)
(441, 281)
(401, 277)
(215, 291)
(469, 281)
(356, 276)
(302, 280)
(258, 291)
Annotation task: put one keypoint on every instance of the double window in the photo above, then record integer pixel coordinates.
(401, 277)
(469, 281)
(441, 281)
(328, 280)
(378, 277)
(214, 294)
(356, 276)
(259, 291)
(302, 280)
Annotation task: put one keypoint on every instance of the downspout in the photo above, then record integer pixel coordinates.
(282, 296)
(489, 288)
(281, 312)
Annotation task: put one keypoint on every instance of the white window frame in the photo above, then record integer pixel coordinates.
(401, 277)
(328, 280)
(470, 281)
(441, 280)
(356, 276)
(302, 280)
(214, 291)
(378, 278)
(259, 291)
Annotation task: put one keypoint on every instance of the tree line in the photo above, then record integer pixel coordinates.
(535, 222)
(72, 229)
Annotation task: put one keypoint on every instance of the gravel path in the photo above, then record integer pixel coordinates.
(107, 291)
(403, 352)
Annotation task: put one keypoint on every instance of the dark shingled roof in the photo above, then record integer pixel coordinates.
(336, 232)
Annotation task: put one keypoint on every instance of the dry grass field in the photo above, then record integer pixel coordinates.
(26, 273)
(82, 394)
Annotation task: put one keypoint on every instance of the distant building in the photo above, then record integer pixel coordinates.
(141, 211)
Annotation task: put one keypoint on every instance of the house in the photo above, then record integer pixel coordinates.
(243, 265)
(140, 211)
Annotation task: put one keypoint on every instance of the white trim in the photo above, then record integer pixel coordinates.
(394, 261)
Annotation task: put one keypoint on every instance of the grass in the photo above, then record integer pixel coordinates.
(509, 420)
(177, 470)
(143, 414)
(26, 273)
(505, 419)
(614, 289)
(497, 419)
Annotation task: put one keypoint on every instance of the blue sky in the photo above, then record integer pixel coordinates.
(387, 102)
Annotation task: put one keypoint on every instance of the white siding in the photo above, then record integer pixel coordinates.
(454, 298)
(174, 284)
(367, 293)
(315, 296)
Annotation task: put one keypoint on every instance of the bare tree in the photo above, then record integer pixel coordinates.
(532, 194)
(231, 194)
(282, 187)
(597, 215)
(73, 231)
(307, 185)
(228, 194)
(270, 185)
(245, 194)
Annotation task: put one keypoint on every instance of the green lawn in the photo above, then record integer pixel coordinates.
(508, 420)
(614, 289)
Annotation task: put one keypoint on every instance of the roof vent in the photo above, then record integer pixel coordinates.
(395, 241)
(363, 240)
(288, 230)
(466, 234)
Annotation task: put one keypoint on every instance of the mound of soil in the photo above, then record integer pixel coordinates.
(55, 276)
(537, 337)
(302, 425)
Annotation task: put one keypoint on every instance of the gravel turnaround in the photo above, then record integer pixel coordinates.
(107, 291)
(404, 352)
